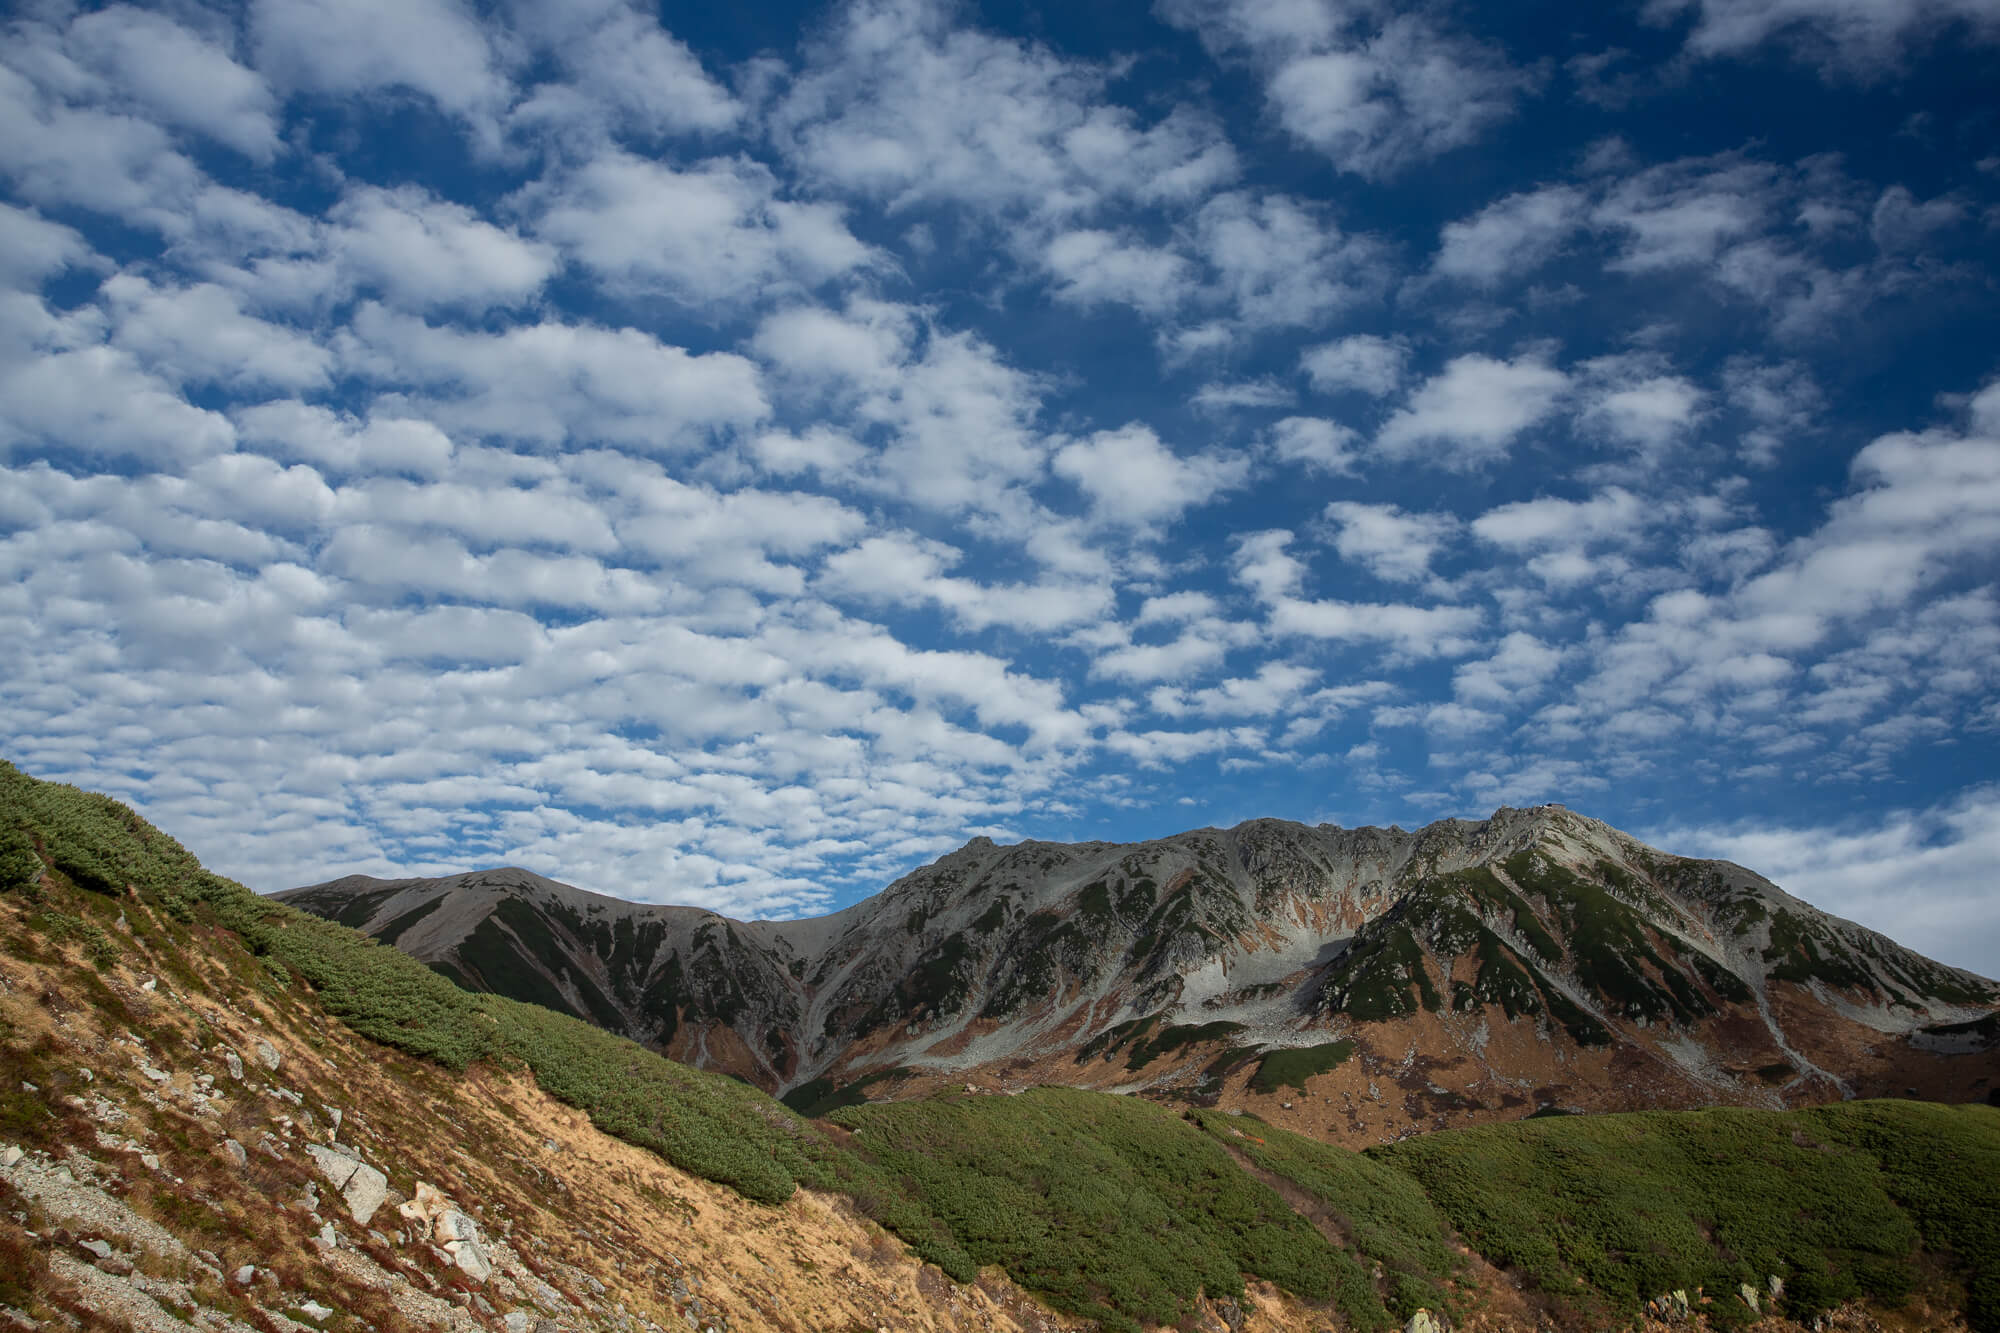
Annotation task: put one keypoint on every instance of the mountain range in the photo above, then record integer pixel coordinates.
(1354, 984)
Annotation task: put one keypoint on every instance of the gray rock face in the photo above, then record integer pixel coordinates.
(235, 1152)
(458, 1235)
(234, 1062)
(362, 1187)
(267, 1055)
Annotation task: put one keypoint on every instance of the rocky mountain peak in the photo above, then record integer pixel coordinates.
(1537, 948)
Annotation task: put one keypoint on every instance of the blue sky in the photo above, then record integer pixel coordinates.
(732, 457)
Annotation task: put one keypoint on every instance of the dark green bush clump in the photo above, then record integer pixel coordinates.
(1108, 1206)
(1292, 1067)
(1381, 1211)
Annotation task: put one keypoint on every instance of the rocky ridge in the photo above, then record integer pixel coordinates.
(1537, 957)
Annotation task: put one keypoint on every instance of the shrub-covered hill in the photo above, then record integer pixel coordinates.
(1111, 1208)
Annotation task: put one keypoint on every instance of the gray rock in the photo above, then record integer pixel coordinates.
(235, 1152)
(516, 1322)
(156, 1075)
(11, 1157)
(235, 1064)
(460, 1237)
(1749, 1295)
(1423, 1321)
(362, 1188)
(315, 1311)
(244, 1276)
(267, 1055)
(100, 1248)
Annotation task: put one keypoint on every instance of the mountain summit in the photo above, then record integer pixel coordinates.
(1471, 969)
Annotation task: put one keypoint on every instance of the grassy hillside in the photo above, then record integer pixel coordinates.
(1114, 1207)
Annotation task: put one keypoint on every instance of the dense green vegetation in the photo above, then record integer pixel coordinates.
(1108, 1206)
(1618, 1208)
(1379, 1210)
(1121, 1209)
(1290, 1068)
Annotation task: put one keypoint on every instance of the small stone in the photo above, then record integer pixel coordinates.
(480, 1304)
(1749, 1295)
(100, 1248)
(156, 1075)
(516, 1322)
(316, 1312)
(234, 1063)
(235, 1152)
(328, 1238)
(150, 984)
(267, 1055)
(149, 1161)
(12, 1155)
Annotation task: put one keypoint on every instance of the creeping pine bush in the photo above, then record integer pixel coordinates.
(1382, 1212)
(1625, 1207)
(1110, 1207)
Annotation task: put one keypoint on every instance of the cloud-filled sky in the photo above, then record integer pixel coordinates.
(733, 454)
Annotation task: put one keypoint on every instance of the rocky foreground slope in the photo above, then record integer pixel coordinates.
(1466, 971)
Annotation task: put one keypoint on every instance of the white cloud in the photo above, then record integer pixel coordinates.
(344, 443)
(715, 234)
(1133, 480)
(1362, 362)
(1471, 412)
(553, 382)
(1264, 565)
(201, 335)
(1373, 89)
(1517, 671)
(899, 570)
(82, 394)
(1634, 400)
(180, 76)
(1226, 397)
(1093, 267)
(1326, 446)
(1511, 238)
(358, 47)
(1278, 261)
(625, 73)
(32, 247)
(1538, 524)
(958, 420)
(1391, 544)
(1782, 401)
(898, 104)
(419, 252)
(1276, 689)
(1852, 37)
